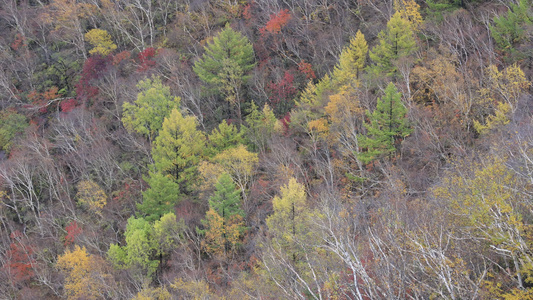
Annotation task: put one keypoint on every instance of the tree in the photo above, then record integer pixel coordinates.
(139, 251)
(511, 29)
(260, 127)
(11, 125)
(160, 198)
(238, 162)
(351, 61)
(223, 137)
(101, 40)
(91, 196)
(388, 125)
(290, 256)
(395, 43)
(178, 149)
(226, 200)
(154, 103)
(410, 10)
(85, 275)
(225, 64)
(288, 223)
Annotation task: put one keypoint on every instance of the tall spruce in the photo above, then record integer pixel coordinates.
(388, 126)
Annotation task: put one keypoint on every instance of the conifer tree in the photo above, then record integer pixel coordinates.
(351, 61)
(160, 198)
(226, 200)
(388, 125)
(395, 42)
(223, 137)
(178, 148)
(225, 64)
(223, 222)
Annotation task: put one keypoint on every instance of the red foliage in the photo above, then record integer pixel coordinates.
(282, 92)
(68, 105)
(119, 57)
(18, 42)
(306, 69)
(19, 259)
(146, 59)
(276, 22)
(246, 13)
(93, 68)
(73, 231)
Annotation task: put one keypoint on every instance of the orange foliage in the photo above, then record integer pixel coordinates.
(277, 22)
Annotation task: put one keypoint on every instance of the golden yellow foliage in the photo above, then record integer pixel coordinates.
(221, 236)
(509, 84)
(494, 121)
(90, 195)
(101, 40)
(84, 276)
(410, 10)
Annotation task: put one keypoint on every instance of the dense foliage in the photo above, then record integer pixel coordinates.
(266, 149)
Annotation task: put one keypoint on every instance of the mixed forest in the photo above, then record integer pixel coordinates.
(266, 149)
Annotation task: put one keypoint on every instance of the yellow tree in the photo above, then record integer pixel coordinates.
(410, 10)
(91, 196)
(222, 235)
(351, 61)
(238, 162)
(486, 206)
(509, 84)
(101, 41)
(85, 276)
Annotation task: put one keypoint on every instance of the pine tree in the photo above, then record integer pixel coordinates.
(226, 200)
(223, 137)
(225, 64)
(160, 198)
(388, 125)
(351, 61)
(178, 149)
(289, 222)
(396, 42)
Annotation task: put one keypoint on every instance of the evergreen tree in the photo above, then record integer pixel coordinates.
(225, 64)
(226, 200)
(395, 42)
(223, 137)
(160, 198)
(511, 29)
(260, 126)
(388, 125)
(179, 148)
(351, 61)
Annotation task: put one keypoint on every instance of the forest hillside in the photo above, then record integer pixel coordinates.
(266, 149)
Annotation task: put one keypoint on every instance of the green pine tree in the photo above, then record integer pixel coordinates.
(225, 64)
(511, 29)
(388, 125)
(396, 42)
(226, 200)
(223, 137)
(160, 198)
